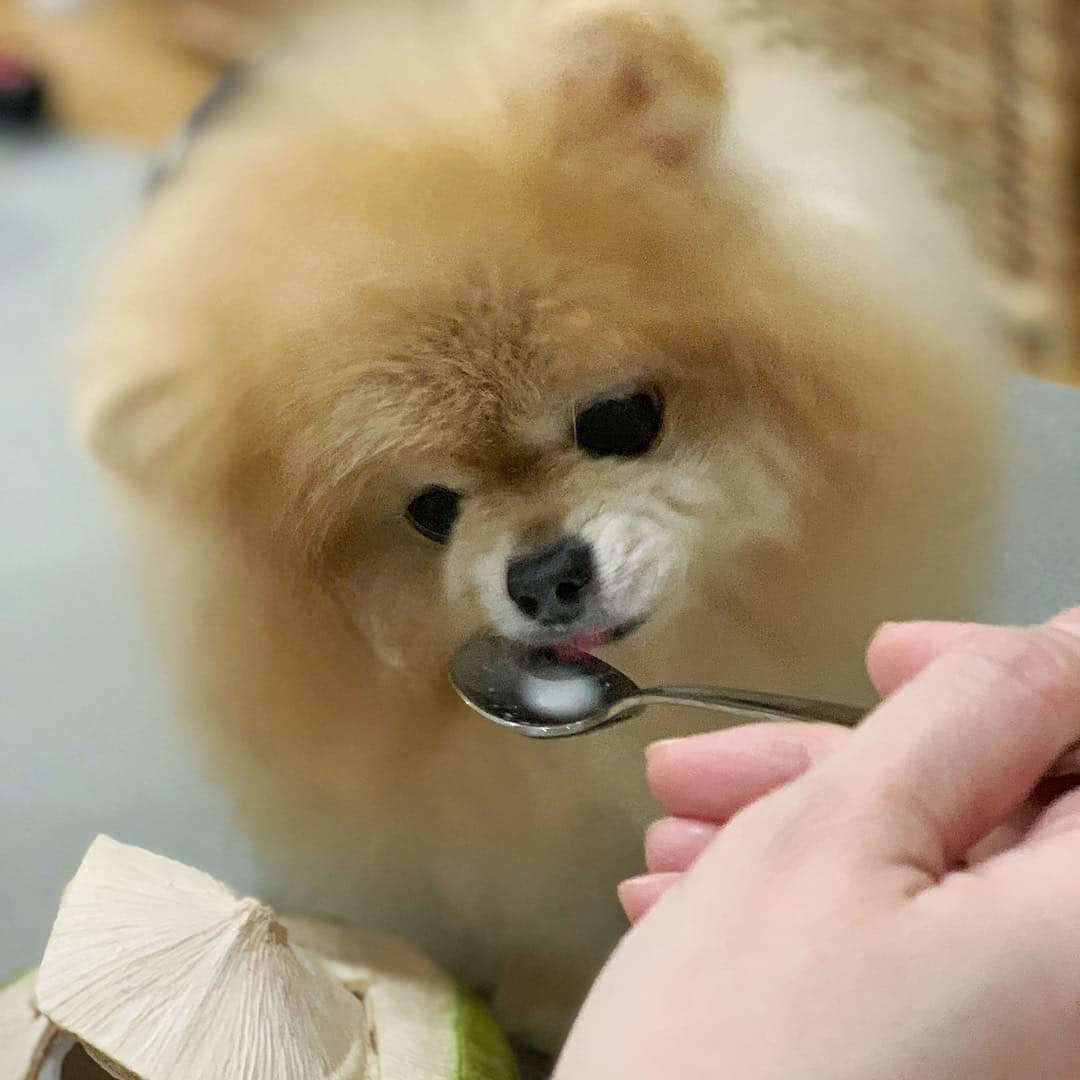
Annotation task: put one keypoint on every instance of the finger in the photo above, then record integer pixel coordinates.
(672, 844)
(899, 651)
(1040, 876)
(1006, 835)
(956, 750)
(1068, 764)
(1056, 815)
(638, 894)
(1038, 810)
(713, 776)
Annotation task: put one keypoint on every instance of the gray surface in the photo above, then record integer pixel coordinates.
(84, 742)
(85, 745)
(1040, 561)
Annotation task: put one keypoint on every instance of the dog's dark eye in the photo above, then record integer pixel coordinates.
(620, 427)
(433, 513)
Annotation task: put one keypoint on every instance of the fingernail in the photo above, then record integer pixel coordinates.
(638, 894)
(659, 745)
(674, 844)
(882, 628)
(886, 628)
(1068, 620)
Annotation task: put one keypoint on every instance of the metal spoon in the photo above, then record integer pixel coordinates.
(550, 694)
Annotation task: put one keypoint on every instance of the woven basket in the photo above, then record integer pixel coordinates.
(992, 89)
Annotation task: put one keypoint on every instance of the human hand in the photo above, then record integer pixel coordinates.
(704, 780)
(825, 930)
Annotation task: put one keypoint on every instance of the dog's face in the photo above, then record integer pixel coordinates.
(554, 439)
(549, 478)
(513, 379)
(574, 552)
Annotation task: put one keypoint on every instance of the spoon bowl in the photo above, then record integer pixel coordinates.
(553, 693)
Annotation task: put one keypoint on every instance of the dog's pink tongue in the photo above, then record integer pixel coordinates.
(582, 643)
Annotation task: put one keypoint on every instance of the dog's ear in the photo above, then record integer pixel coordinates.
(128, 420)
(617, 82)
(145, 413)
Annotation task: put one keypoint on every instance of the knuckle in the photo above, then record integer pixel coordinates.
(1041, 663)
(816, 812)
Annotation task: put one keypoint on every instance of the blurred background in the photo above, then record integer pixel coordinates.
(88, 93)
(89, 90)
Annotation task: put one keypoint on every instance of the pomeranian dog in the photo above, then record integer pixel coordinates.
(589, 323)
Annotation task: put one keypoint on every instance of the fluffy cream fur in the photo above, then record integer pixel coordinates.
(416, 239)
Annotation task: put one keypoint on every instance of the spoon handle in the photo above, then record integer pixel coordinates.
(747, 704)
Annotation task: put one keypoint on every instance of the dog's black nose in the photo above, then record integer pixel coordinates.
(550, 585)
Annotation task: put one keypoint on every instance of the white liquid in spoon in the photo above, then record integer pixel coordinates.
(562, 699)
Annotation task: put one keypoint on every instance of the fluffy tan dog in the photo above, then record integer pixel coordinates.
(550, 321)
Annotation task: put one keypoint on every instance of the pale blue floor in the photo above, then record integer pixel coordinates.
(85, 745)
(84, 742)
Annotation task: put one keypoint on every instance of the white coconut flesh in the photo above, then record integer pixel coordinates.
(156, 971)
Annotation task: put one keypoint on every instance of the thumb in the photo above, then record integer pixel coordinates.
(953, 752)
